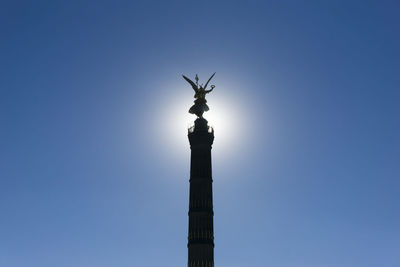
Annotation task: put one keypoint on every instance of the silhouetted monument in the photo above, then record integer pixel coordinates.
(201, 226)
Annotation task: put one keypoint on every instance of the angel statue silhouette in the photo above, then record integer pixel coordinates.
(200, 104)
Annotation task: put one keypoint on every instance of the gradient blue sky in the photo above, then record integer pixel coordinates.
(91, 176)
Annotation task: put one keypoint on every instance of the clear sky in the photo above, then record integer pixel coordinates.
(94, 157)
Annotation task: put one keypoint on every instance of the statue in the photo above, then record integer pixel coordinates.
(200, 105)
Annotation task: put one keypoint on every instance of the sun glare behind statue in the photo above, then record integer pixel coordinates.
(226, 116)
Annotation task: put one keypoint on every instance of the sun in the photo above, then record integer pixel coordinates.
(226, 116)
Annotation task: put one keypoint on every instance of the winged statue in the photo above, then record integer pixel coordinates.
(200, 103)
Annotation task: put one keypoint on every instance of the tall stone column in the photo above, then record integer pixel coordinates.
(201, 228)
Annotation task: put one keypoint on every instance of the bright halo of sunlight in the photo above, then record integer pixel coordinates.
(226, 116)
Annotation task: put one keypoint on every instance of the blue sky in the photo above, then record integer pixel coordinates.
(90, 174)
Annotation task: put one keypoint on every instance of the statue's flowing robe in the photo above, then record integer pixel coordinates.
(199, 107)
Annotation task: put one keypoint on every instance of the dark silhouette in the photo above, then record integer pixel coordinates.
(201, 213)
(201, 226)
(200, 105)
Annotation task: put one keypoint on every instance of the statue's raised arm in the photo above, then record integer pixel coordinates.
(212, 88)
(200, 105)
(205, 86)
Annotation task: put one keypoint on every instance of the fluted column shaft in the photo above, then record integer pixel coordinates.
(201, 228)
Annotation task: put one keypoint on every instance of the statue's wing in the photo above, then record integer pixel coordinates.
(205, 86)
(191, 83)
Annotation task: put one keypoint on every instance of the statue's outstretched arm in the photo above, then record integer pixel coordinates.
(205, 86)
(194, 86)
(212, 88)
